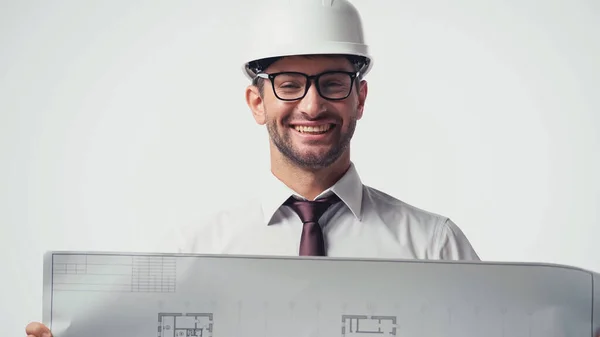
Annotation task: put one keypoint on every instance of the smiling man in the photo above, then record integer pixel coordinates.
(308, 88)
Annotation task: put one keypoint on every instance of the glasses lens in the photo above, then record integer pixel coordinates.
(335, 85)
(292, 86)
(289, 86)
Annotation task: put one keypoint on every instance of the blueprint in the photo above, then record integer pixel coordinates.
(180, 295)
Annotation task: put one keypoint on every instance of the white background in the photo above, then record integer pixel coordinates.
(119, 119)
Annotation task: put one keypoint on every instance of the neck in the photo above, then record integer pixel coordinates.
(305, 181)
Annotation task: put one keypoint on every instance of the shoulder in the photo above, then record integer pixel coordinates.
(441, 237)
(395, 211)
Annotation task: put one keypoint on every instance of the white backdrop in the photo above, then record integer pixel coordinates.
(119, 119)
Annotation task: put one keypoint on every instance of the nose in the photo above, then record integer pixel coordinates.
(312, 104)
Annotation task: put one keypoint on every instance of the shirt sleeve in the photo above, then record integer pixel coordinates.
(452, 244)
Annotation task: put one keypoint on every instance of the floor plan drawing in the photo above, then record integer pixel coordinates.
(99, 294)
(185, 325)
(368, 326)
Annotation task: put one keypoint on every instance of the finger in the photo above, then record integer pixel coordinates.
(37, 329)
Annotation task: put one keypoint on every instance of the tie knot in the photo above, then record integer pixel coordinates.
(311, 211)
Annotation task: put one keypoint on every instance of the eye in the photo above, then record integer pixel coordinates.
(332, 84)
(290, 85)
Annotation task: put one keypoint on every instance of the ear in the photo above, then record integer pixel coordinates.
(255, 103)
(362, 97)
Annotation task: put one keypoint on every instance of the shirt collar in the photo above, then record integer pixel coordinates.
(349, 189)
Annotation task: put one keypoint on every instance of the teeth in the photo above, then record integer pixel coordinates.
(313, 129)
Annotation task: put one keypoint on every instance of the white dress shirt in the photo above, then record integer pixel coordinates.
(366, 224)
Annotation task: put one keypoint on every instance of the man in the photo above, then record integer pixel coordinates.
(308, 89)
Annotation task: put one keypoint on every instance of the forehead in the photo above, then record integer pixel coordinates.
(311, 64)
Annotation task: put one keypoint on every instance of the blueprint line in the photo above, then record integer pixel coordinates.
(114, 273)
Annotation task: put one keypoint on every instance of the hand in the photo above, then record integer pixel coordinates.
(35, 329)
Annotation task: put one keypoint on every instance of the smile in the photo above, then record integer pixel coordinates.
(313, 129)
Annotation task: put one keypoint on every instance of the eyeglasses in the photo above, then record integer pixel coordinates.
(331, 85)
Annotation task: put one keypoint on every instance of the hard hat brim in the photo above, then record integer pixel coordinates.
(300, 49)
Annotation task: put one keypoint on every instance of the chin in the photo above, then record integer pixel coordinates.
(314, 160)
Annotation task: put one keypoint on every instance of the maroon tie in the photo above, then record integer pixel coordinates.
(312, 242)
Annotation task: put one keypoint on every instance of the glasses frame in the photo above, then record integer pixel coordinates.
(309, 80)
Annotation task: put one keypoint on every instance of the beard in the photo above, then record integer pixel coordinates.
(282, 139)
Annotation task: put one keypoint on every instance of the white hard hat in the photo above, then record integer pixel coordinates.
(306, 27)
